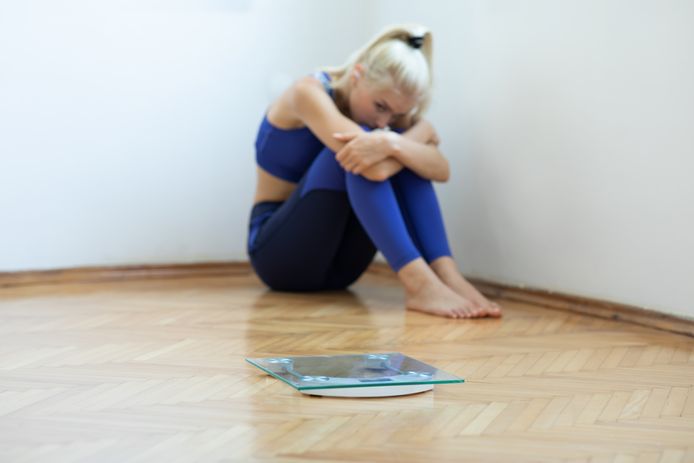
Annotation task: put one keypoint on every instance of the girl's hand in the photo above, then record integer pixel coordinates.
(365, 149)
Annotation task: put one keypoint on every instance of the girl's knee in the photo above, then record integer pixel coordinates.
(325, 173)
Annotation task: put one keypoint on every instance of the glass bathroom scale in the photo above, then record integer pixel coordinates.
(357, 375)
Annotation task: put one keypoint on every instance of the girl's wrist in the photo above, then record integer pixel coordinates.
(393, 144)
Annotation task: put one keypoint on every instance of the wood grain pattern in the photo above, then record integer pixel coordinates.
(152, 369)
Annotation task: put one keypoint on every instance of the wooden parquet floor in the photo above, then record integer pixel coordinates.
(154, 371)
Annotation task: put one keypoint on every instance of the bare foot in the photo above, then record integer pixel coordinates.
(425, 292)
(447, 271)
(439, 299)
(463, 287)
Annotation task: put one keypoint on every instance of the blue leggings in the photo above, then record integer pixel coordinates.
(323, 236)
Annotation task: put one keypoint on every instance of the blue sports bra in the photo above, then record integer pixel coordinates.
(288, 153)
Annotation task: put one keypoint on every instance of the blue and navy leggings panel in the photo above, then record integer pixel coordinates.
(401, 215)
(326, 234)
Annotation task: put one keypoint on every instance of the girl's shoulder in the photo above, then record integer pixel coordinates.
(306, 94)
(317, 79)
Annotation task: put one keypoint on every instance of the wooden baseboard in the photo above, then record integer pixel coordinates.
(544, 298)
(121, 273)
(578, 304)
(587, 306)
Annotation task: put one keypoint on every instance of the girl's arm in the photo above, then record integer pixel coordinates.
(417, 149)
(423, 158)
(314, 107)
(317, 110)
(422, 132)
(383, 170)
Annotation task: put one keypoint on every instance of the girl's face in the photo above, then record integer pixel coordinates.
(376, 107)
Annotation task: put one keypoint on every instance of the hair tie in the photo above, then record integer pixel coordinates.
(415, 42)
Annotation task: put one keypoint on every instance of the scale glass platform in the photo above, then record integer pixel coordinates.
(358, 375)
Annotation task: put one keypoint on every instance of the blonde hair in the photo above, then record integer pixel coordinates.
(392, 61)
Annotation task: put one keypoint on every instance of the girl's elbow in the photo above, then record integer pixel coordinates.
(445, 174)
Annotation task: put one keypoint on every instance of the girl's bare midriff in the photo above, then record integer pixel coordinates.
(271, 188)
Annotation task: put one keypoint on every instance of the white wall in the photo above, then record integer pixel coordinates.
(127, 128)
(126, 132)
(569, 126)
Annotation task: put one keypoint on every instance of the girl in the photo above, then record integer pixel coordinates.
(345, 167)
